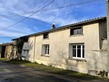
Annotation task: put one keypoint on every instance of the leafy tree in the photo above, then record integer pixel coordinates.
(19, 46)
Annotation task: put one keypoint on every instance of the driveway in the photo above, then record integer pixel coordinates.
(15, 73)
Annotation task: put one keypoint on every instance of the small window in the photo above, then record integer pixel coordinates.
(76, 50)
(75, 31)
(45, 35)
(45, 50)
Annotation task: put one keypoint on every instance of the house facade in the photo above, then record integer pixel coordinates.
(79, 47)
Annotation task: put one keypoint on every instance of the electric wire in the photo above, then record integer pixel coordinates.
(28, 16)
(86, 2)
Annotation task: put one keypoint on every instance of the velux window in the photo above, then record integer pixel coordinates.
(75, 31)
(76, 50)
(45, 50)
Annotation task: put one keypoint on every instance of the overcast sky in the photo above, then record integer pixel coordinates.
(12, 11)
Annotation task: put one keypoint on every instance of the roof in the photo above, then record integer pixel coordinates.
(6, 44)
(90, 21)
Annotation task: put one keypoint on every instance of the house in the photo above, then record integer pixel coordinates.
(79, 47)
(6, 50)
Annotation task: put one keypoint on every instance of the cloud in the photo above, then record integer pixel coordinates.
(11, 11)
(10, 34)
(5, 29)
(25, 8)
(59, 16)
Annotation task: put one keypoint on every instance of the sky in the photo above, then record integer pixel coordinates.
(12, 11)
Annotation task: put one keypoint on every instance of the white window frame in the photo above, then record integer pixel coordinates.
(81, 49)
(45, 50)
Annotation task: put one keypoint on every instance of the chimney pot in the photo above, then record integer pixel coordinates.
(53, 26)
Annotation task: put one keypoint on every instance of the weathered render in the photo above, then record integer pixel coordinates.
(92, 41)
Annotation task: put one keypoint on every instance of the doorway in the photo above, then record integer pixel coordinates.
(3, 52)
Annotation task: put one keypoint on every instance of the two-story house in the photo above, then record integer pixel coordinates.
(80, 47)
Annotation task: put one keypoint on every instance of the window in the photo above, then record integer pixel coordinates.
(76, 50)
(45, 35)
(45, 50)
(24, 54)
(75, 31)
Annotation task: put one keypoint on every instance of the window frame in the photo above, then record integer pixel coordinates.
(76, 31)
(82, 51)
(45, 35)
(45, 50)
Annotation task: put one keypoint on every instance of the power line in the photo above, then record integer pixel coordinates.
(86, 2)
(71, 5)
(28, 16)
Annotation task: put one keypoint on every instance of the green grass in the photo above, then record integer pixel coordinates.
(54, 70)
(4, 59)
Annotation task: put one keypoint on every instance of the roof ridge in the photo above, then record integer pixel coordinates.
(66, 26)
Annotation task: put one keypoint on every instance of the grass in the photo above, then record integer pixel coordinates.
(54, 70)
(4, 59)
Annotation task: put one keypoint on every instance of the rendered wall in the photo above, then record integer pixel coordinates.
(59, 50)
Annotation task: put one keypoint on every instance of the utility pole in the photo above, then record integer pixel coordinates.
(107, 8)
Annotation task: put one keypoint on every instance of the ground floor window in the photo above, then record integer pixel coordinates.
(45, 50)
(26, 52)
(77, 50)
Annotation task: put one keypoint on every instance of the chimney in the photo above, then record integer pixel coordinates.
(53, 26)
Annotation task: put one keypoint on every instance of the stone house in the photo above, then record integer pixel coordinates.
(79, 47)
(6, 50)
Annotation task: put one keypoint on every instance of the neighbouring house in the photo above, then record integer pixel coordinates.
(6, 50)
(79, 47)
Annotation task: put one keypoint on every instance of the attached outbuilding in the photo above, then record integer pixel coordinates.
(6, 50)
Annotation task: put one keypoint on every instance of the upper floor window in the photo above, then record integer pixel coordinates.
(45, 36)
(75, 31)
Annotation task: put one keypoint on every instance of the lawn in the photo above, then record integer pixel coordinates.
(3, 59)
(53, 70)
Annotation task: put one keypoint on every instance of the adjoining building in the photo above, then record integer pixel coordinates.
(79, 47)
(6, 50)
